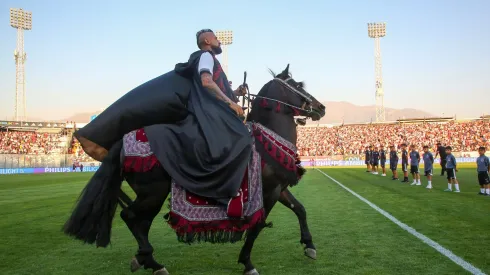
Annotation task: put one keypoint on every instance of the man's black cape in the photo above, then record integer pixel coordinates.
(202, 144)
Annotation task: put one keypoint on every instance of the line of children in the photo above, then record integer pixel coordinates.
(379, 156)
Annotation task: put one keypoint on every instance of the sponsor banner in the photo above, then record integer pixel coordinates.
(5, 171)
(327, 162)
(308, 163)
(89, 163)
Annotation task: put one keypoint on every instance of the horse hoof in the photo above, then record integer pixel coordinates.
(310, 253)
(251, 272)
(135, 265)
(162, 271)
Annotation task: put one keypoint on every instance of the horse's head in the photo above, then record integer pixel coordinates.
(293, 93)
(280, 100)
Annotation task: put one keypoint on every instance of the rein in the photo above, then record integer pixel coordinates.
(289, 88)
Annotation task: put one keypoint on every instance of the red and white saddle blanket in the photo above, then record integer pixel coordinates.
(196, 218)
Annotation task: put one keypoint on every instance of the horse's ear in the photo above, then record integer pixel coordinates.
(286, 71)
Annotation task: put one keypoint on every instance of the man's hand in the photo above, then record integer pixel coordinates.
(240, 91)
(237, 108)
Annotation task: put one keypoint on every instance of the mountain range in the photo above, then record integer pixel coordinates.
(336, 112)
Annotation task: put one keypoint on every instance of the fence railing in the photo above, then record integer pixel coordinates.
(13, 161)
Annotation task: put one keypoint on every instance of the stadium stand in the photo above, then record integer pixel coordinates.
(42, 144)
(353, 139)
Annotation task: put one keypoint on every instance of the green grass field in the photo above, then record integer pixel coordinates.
(351, 237)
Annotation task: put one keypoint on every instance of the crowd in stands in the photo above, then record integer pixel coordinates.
(32, 143)
(312, 141)
(77, 151)
(353, 139)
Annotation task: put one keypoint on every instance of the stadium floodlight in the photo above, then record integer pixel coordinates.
(226, 39)
(20, 20)
(376, 31)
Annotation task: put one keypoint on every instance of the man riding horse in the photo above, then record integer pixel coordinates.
(182, 131)
(207, 151)
(212, 77)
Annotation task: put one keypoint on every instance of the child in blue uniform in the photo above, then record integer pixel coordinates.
(483, 169)
(393, 162)
(375, 161)
(451, 170)
(382, 159)
(428, 166)
(414, 165)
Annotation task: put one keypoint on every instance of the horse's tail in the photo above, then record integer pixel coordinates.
(91, 220)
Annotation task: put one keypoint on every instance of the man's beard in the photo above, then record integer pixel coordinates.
(216, 50)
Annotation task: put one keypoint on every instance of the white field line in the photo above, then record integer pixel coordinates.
(444, 251)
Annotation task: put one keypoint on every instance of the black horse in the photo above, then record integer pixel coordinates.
(273, 107)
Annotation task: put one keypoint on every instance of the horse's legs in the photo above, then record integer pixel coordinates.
(288, 200)
(270, 198)
(151, 188)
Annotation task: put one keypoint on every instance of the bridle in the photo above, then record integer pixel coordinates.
(306, 108)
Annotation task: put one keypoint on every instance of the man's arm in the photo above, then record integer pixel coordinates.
(205, 70)
(212, 87)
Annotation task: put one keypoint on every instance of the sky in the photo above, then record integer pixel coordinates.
(84, 55)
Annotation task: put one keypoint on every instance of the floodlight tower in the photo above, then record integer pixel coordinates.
(376, 31)
(21, 20)
(226, 38)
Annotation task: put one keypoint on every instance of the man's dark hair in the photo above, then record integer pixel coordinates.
(198, 34)
(482, 148)
(426, 147)
(449, 148)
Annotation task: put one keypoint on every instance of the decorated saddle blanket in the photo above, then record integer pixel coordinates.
(196, 218)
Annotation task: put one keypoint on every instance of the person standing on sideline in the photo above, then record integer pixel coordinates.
(405, 162)
(374, 161)
(483, 169)
(428, 166)
(414, 165)
(441, 151)
(382, 159)
(451, 170)
(393, 162)
(367, 157)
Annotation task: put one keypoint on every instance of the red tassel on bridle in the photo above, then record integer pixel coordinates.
(278, 108)
(263, 103)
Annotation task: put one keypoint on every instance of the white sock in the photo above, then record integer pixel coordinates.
(456, 186)
(482, 190)
(449, 186)
(419, 180)
(488, 191)
(430, 183)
